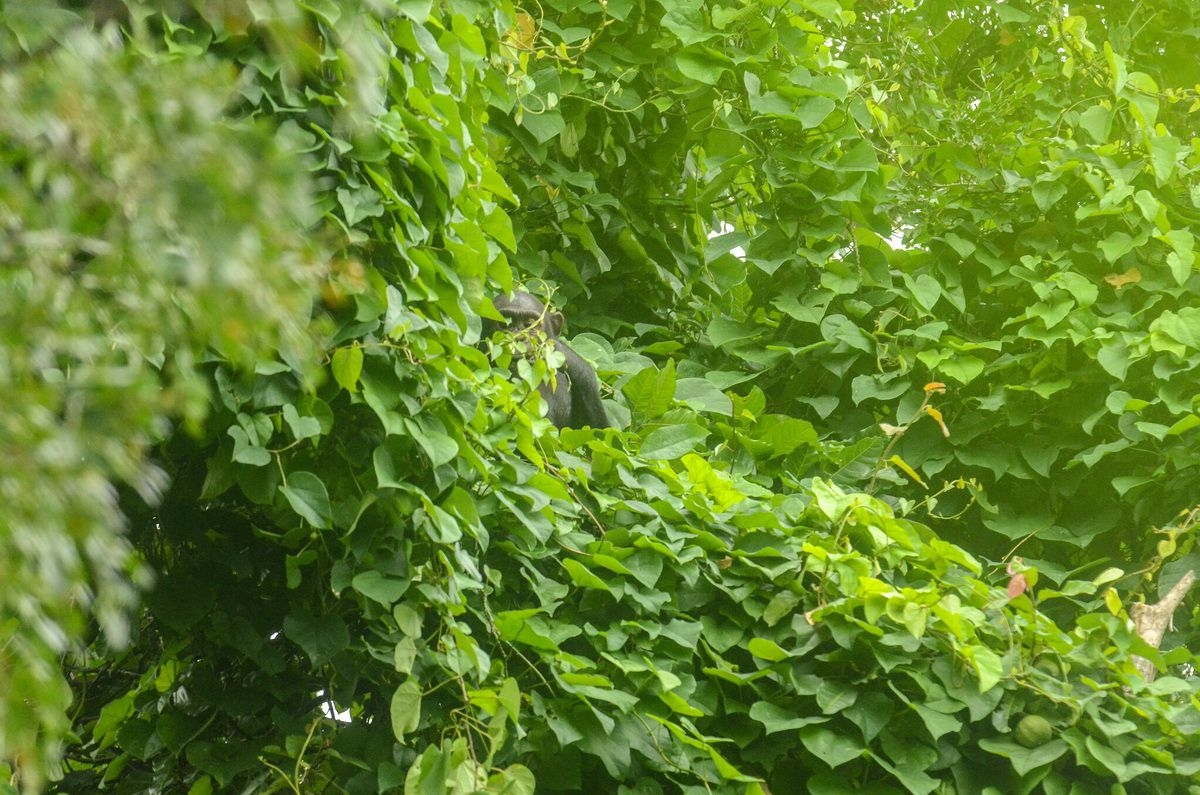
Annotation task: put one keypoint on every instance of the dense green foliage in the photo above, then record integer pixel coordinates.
(882, 293)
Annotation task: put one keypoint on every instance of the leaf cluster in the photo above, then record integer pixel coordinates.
(379, 568)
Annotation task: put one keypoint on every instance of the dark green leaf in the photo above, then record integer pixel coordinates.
(321, 637)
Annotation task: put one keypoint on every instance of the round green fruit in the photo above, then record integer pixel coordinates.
(1033, 730)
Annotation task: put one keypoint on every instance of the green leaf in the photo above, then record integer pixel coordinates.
(439, 446)
(321, 637)
(513, 780)
(1113, 759)
(359, 204)
(782, 605)
(722, 331)
(673, 441)
(36, 24)
(830, 747)
(1096, 121)
(301, 427)
(702, 395)
(582, 577)
(678, 705)
(1115, 360)
(307, 495)
(685, 19)
(651, 391)
(202, 786)
(925, 289)
(1184, 425)
(703, 64)
(388, 459)
(860, 157)
(1182, 258)
(1047, 194)
(544, 125)
(871, 712)
(405, 709)
(1025, 759)
(498, 225)
(884, 387)
(963, 369)
(245, 452)
(510, 698)
(404, 656)
(777, 719)
(293, 566)
(1116, 245)
(768, 650)
(379, 587)
(828, 9)
(1176, 332)
(347, 366)
(223, 761)
(645, 567)
(1143, 101)
(524, 626)
(987, 664)
(835, 696)
(1150, 206)
(938, 724)
(784, 435)
(416, 10)
(914, 617)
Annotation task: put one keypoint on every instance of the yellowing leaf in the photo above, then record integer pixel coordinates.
(903, 466)
(937, 417)
(1119, 280)
(523, 35)
(1112, 601)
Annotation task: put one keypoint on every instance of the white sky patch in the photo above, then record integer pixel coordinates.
(724, 229)
(896, 240)
(330, 709)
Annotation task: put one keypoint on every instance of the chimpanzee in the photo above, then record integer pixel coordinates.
(574, 399)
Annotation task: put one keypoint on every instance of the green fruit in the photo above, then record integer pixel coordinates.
(1033, 730)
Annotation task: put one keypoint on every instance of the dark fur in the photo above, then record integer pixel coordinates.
(574, 400)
